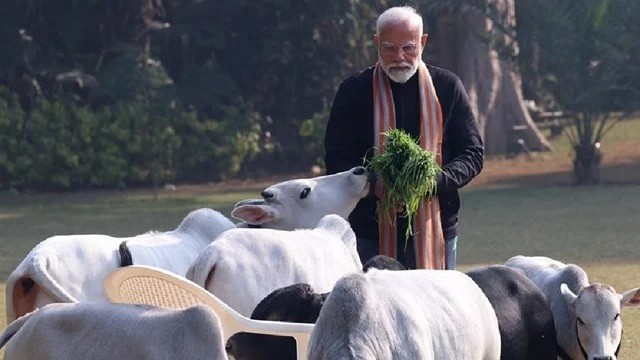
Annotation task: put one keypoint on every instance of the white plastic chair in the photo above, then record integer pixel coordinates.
(147, 285)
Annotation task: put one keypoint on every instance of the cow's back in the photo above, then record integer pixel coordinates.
(524, 318)
(175, 250)
(418, 314)
(171, 251)
(115, 331)
(454, 305)
(539, 269)
(248, 268)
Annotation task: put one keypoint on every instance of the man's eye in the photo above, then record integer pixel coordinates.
(408, 49)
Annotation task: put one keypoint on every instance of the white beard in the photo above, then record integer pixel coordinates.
(399, 75)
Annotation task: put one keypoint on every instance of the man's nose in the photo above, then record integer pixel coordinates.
(399, 55)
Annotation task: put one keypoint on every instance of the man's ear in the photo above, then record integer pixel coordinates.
(423, 40)
(376, 39)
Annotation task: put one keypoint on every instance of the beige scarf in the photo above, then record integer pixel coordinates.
(427, 228)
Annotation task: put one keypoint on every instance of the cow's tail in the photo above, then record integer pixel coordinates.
(13, 328)
(40, 275)
(201, 270)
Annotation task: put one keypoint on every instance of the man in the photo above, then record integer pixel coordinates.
(430, 104)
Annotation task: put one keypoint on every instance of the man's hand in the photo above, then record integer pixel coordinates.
(379, 190)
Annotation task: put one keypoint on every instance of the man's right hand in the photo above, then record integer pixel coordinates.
(378, 192)
(378, 189)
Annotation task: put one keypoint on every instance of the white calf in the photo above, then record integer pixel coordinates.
(406, 315)
(301, 203)
(71, 268)
(243, 266)
(586, 316)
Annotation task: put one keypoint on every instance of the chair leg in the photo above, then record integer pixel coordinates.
(302, 346)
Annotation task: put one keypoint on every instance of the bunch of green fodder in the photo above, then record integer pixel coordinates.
(408, 173)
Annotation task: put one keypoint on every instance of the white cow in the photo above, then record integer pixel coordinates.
(586, 316)
(114, 331)
(406, 315)
(243, 266)
(72, 268)
(301, 203)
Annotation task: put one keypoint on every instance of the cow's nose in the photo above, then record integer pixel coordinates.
(603, 358)
(359, 170)
(266, 194)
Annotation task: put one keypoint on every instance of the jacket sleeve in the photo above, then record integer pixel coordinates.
(465, 144)
(340, 153)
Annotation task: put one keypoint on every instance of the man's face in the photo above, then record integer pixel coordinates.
(400, 49)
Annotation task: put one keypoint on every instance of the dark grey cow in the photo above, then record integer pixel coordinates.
(524, 319)
(94, 330)
(295, 303)
(382, 262)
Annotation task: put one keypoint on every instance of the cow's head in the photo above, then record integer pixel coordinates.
(301, 203)
(295, 303)
(597, 318)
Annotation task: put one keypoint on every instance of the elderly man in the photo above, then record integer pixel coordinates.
(430, 104)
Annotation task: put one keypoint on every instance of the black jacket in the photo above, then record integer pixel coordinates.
(349, 138)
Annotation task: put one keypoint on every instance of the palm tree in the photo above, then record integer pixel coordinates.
(588, 66)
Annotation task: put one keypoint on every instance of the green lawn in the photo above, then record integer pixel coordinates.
(595, 227)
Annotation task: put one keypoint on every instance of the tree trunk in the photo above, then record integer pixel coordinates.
(460, 42)
(586, 164)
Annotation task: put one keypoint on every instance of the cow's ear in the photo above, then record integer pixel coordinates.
(568, 295)
(255, 214)
(630, 298)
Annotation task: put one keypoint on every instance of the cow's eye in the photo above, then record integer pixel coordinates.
(616, 317)
(580, 321)
(305, 193)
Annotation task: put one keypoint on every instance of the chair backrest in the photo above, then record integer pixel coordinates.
(147, 285)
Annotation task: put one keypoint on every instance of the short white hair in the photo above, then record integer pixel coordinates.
(398, 15)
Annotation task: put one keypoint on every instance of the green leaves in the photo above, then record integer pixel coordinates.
(408, 173)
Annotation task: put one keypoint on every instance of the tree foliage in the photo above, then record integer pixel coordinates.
(586, 63)
(587, 57)
(125, 92)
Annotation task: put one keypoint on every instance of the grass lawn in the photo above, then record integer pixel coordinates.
(516, 206)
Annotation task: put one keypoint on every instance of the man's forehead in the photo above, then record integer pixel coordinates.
(394, 33)
(403, 26)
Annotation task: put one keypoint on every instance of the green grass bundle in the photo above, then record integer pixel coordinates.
(408, 173)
